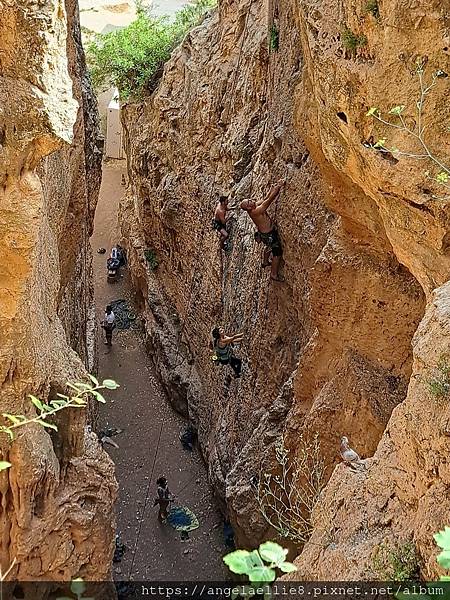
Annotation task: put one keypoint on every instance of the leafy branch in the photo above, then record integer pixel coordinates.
(287, 499)
(395, 119)
(259, 565)
(82, 392)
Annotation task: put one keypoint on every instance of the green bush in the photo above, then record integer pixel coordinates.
(351, 41)
(439, 383)
(132, 58)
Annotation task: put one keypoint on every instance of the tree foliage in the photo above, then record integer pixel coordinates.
(132, 58)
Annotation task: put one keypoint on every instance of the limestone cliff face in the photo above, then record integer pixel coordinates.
(329, 350)
(56, 500)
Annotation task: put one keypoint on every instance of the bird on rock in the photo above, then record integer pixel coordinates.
(350, 456)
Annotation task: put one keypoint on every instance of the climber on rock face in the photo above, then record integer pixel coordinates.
(267, 232)
(220, 220)
(223, 349)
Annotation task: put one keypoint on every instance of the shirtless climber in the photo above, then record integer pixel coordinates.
(267, 232)
(220, 220)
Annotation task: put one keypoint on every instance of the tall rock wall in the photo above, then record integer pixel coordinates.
(329, 350)
(56, 499)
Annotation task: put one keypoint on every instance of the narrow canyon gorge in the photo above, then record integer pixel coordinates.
(346, 345)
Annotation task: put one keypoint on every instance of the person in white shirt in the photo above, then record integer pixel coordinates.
(109, 324)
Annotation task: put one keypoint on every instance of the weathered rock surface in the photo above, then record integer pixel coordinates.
(329, 351)
(56, 500)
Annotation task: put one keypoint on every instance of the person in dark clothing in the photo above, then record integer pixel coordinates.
(164, 498)
(109, 324)
(219, 223)
(223, 349)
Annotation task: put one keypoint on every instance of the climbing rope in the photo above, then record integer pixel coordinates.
(147, 494)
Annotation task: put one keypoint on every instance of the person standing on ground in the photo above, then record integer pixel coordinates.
(223, 349)
(267, 231)
(164, 498)
(109, 324)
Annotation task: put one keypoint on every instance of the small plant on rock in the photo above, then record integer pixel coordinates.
(439, 383)
(287, 497)
(259, 565)
(274, 38)
(372, 8)
(396, 562)
(351, 41)
(43, 411)
(413, 127)
(151, 258)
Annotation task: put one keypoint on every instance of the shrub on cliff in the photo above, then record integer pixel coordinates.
(132, 58)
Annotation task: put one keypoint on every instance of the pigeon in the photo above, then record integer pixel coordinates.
(350, 456)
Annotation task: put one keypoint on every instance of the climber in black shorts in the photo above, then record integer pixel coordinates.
(219, 222)
(267, 232)
(273, 245)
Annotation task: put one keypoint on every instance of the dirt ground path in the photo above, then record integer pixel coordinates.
(149, 445)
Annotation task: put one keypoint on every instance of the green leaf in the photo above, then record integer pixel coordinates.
(13, 418)
(93, 379)
(110, 384)
(444, 559)
(9, 432)
(272, 553)
(397, 110)
(442, 177)
(4, 464)
(45, 424)
(98, 397)
(372, 112)
(287, 567)
(36, 402)
(380, 143)
(78, 587)
(63, 598)
(237, 561)
(442, 538)
(260, 574)
(79, 401)
(254, 560)
(58, 403)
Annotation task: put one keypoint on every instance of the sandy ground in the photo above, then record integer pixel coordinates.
(149, 446)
